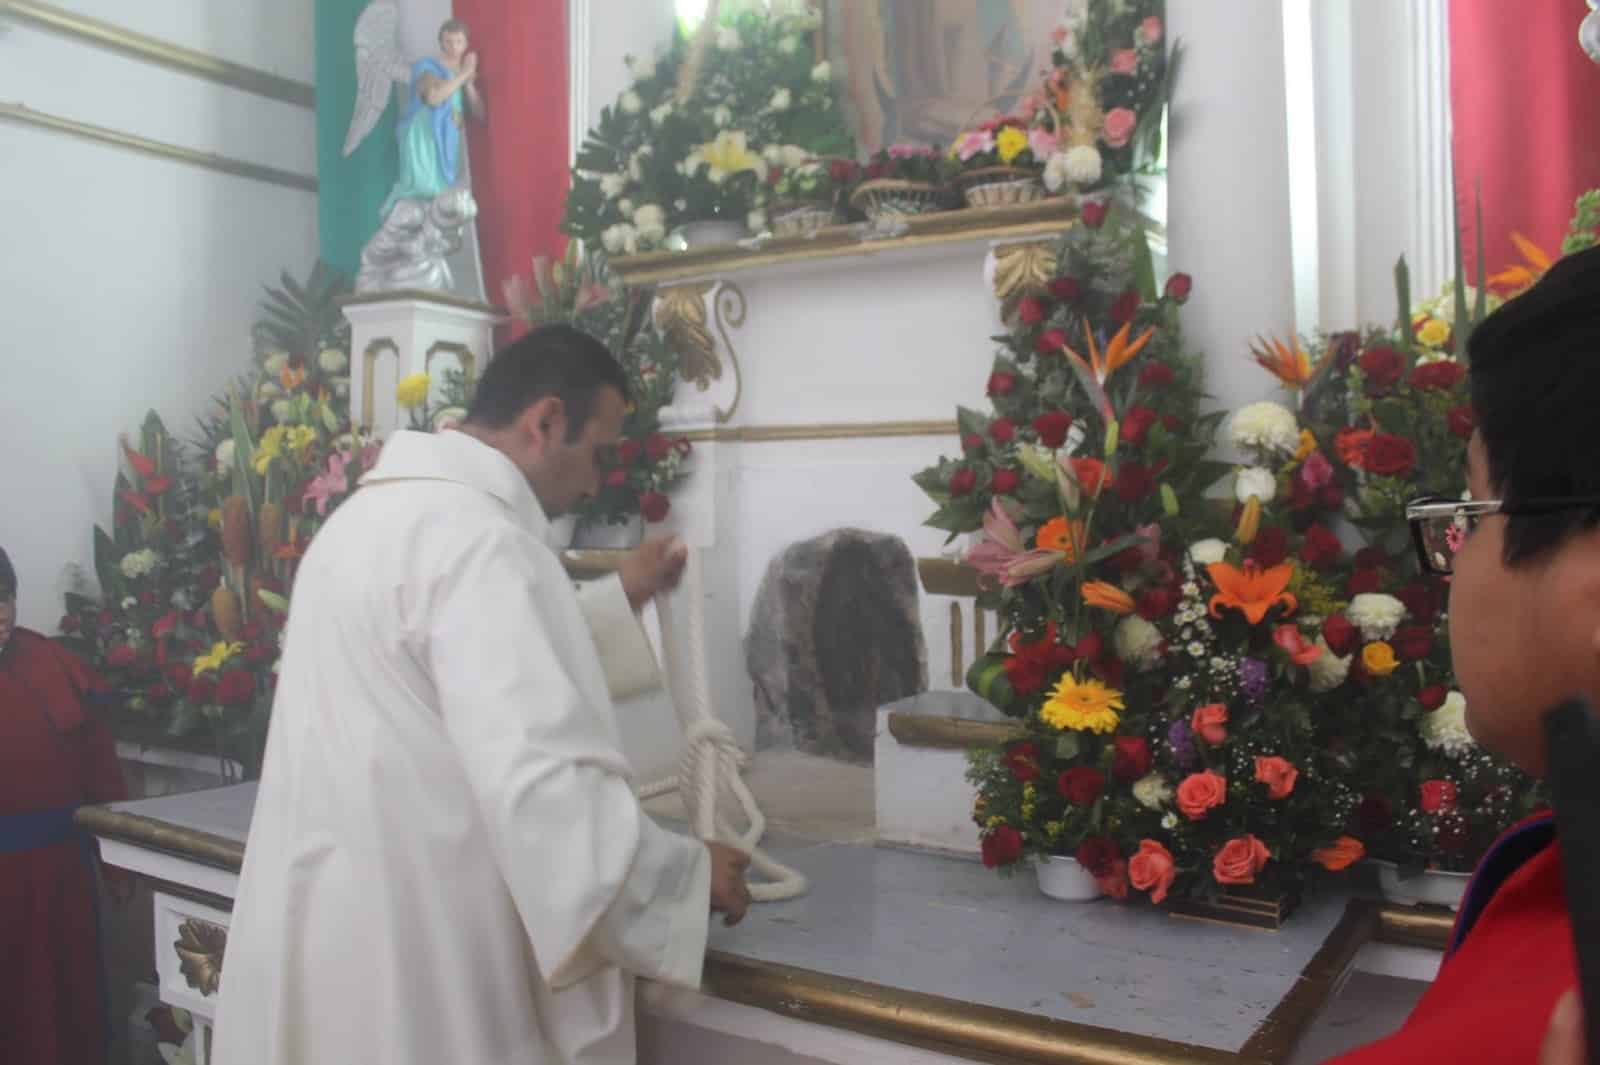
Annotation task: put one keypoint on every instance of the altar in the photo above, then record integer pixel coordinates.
(897, 956)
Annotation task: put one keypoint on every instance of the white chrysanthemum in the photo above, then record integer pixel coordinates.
(631, 102)
(721, 115)
(789, 45)
(275, 362)
(136, 564)
(1055, 172)
(822, 73)
(756, 221)
(282, 410)
(620, 239)
(1152, 791)
(728, 39)
(1137, 642)
(1207, 552)
(636, 162)
(1329, 670)
(1083, 164)
(611, 185)
(1376, 615)
(650, 217)
(225, 457)
(341, 387)
(1266, 427)
(642, 67)
(625, 207)
(1255, 481)
(266, 390)
(793, 156)
(332, 360)
(1445, 729)
(661, 114)
(781, 100)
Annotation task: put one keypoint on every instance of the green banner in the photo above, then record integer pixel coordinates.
(350, 189)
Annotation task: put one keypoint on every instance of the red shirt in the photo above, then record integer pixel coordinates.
(1511, 958)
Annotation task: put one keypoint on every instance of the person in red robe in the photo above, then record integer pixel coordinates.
(1525, 635)
(54, 757)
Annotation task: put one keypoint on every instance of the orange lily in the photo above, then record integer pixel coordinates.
(292, 378)
(1289, 362)
(1118, 353)
(1252, 591)
(1521, 276)
(1108, 597)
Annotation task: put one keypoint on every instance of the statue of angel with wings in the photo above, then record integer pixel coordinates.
(429, 202)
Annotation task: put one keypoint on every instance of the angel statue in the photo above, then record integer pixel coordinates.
(430, 205)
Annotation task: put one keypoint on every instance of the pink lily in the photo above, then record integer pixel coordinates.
(328, 484)
(1002, 555)
(519, 297)
(1042, 143)
(973, 143)
(590, 294)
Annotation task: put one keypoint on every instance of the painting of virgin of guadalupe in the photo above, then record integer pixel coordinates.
(923, 70)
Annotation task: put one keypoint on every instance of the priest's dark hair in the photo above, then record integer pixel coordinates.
(8, 577)
(1535, 373)
(552, 360)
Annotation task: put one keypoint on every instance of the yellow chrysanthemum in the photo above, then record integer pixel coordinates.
(301, 437)
(1082, 705)
(1010, 143)
(1379, 659)
(1434, 333)
(217, 657)
(412, 392)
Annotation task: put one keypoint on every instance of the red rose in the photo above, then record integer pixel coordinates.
(616, 478)
(1178, 288)
(628, 452)
(1132, 758)
(1345, 347)
(1363, 581)
(1134, 482)
(1413, 642)
(1097, 854)
(1136, 424)
(1383, 367)
(842, 171)
(1065, 289)
(1320, 548)
(1432, 697)
(1093, 214)
(1340, 634)
(1031, 310)
(257, 653)
(1462, 421)
(654, 506)
(1081, 785)
(1052, 427)
(1126, 306)
(962, 482)
(1391, 456)
(1171, 422)
(1270, 548)
(69, 623)
(121, 656)
(1371, 558)
(1023, 761)
(1157, 603)
(1050, 342)
(1002, 430)
(1005, 482)
(236, 688)
(1003, 846)
(1156, 375)
(1332, 496)
(1110, 670)
(1437, 375)
(1438, 796)
(1090, 647)
(971, 443)
(1001, 383)
(1026, 674)
(657, 447)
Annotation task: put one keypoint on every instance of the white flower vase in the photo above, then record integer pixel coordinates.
(711, 233)
(1432, 888)
(563, 530)
(1064, 879)
(600, 536)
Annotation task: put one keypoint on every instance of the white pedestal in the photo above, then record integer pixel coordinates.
(395, 334)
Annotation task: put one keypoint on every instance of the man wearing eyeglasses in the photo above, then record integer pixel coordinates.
(1522, 555)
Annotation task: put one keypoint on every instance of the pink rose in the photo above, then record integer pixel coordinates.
(1042, 143)
(1209, 723)
(1119, 127)
(1316, 471)
(974, 143)
(1240, 860)
(1124, 61)
(1150, 30)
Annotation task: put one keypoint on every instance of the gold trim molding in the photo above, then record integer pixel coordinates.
(159, 149)
(423, 295)
(147, 832)
(1042, 218)
(115, 38)
(946, 576)
(766, 434)
(369, 370)
(950, 733)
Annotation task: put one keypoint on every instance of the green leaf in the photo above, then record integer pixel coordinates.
(1144, 264)
(1068, 746)
(1115, 547)
(273, 600)
(1402, 289)
(971, 422)
(106, 566)
(957, 517)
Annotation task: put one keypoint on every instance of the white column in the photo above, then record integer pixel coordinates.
(1228, 198)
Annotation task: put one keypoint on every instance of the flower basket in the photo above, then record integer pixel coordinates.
(1432, 887)
(999, 186)
(1249, 906)
(893, 196)
(1066, 879)
(801, 219)
(708, 233)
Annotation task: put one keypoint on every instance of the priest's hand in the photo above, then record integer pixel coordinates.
(730, 895)
(654, 566)
(1564, 1038)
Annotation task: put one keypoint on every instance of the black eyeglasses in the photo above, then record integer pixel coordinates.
(1439, 526)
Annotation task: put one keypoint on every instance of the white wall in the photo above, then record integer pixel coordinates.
(130, 282)
(602, 33)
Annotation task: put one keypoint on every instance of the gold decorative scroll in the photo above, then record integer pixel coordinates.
(731, 309)
(1021, 269)
(369, 365)
(200, 946)
(680, 314)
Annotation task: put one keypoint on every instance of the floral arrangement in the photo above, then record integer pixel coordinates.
(648, 464)
(822, 182)
(1158, 746)
(694, 135)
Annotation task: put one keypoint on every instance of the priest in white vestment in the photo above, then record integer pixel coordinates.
(447, 863)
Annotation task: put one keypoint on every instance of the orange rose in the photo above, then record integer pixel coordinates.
(1240, 860)
(1115, 881)
(1208, 722)
(1278, 775)
(1200, 792)
(1091, 476)
(1345, 852)
(1152, 870)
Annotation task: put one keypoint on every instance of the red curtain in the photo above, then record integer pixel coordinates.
(1525, 103)
(519, 159)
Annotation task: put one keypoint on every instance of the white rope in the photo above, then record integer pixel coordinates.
(709, 778)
